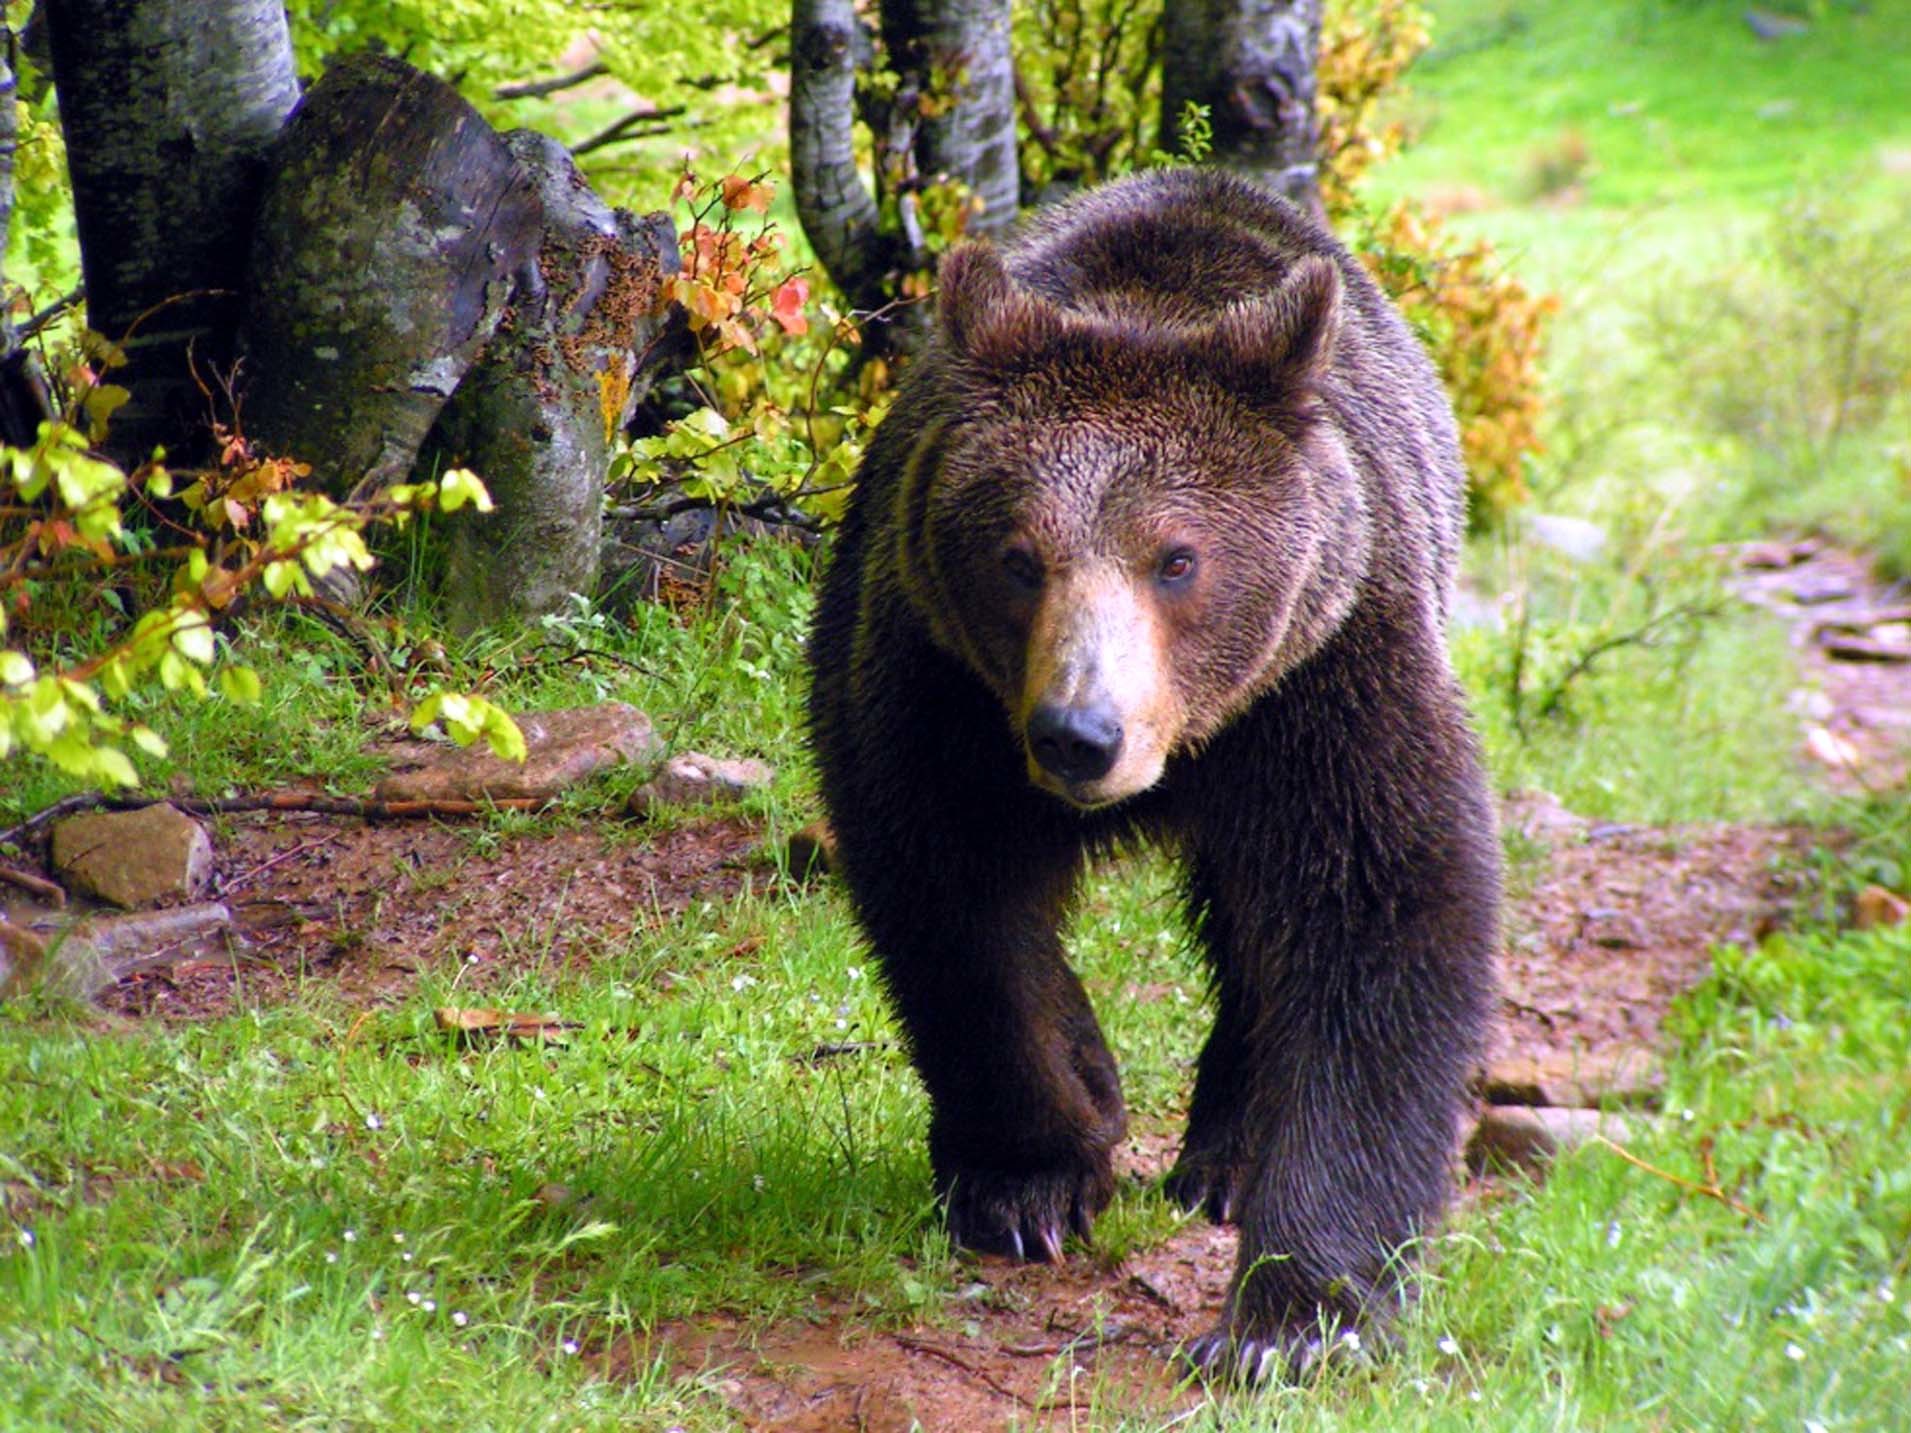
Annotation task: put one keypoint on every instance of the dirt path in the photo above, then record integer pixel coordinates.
(1606, 926)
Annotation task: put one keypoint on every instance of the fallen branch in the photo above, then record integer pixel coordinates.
(366, 808)
(1711, 1189)
(33, 885)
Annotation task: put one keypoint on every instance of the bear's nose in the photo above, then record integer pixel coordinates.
(1074, 743)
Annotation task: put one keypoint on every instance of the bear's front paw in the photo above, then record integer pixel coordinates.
(1210, 1184)
(1025, 1214)
(1266, 1353)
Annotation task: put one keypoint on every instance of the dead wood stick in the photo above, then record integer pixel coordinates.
(33, 885)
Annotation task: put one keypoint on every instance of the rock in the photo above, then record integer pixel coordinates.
(1811, 588)
(1875, 907)
(1631, 1077)
(694, 779)
(1774, 556)
(78, 959)
(1574, 537)
(133, 858)
(1512, 1137)
(812, 851)
(1539, 816)
(1827, 746)
(1847, 647)
(21, 955)
(563, 748)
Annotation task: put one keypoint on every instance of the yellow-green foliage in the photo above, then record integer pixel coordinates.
(62, 524)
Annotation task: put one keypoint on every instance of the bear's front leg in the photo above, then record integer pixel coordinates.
(961, 874)
(1351, 915)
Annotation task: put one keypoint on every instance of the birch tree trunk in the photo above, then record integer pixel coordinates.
(958, 53)
(1252, 63)
(952, 118)
(168, 109)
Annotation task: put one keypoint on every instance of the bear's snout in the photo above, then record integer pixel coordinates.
(1075, 743)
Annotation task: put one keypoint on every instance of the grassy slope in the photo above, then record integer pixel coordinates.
(201, 1225)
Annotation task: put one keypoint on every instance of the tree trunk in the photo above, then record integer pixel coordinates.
(1252, 63)
(168, 108)
(953, 54)
(536, 415)
(838, 213)
(394, 225)
(956, 52)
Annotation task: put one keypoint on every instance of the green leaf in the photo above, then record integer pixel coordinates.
(15, 669)
(461, 486)
(240, 685)
(193, 640)
(111, 766)
(148, 740)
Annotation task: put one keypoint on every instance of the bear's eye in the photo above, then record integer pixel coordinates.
(1023, 567)
(1177, 567)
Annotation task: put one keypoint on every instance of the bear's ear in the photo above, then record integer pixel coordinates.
(982, 314)
(1287, 335)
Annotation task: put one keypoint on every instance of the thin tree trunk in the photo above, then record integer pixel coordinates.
(957, 52)
(1252, 63)
(838, 213)
(168, 108)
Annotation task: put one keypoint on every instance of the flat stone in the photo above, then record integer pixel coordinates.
(1875, 907)
(1520, 1137)
(78, 958)
(694, 779)
(1631, 1077)
(563, 748)
(1540, 816)
(22, 953)
(133, 858)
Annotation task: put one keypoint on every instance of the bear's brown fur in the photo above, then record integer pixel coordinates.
(1158, 538)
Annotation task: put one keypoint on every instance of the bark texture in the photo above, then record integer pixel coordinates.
(951, 118)
(838, 213)
(391, 233)
(957, 53)
(575, 350)
(168, 109)
(1252, 63)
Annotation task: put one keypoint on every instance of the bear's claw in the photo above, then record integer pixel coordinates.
(1208, 1186)
(1253, 1360)
(1023, 1215)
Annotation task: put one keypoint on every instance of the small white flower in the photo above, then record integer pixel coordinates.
(1450, 1346)
(350, 1236)
(377, 1334)
(1812, 1425)
(1886, 1293)
(331, 1256)
(855, 972)
(742, 982)
(471, 959)
(758, 1183)
(398, 1238)
(1794, 1353)
(430, 1306)
(407, 1256)
(842, 1024)
(1351, 1340)
(373, 1122)
(25, 1236)
(570, 1345)
(459, 1318)
(412, 1297)
(1613, 1235)
(1687, 1116)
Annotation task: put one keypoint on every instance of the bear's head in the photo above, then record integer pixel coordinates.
(1131, 513)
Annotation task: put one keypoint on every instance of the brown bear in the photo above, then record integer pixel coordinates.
(1157, 541)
